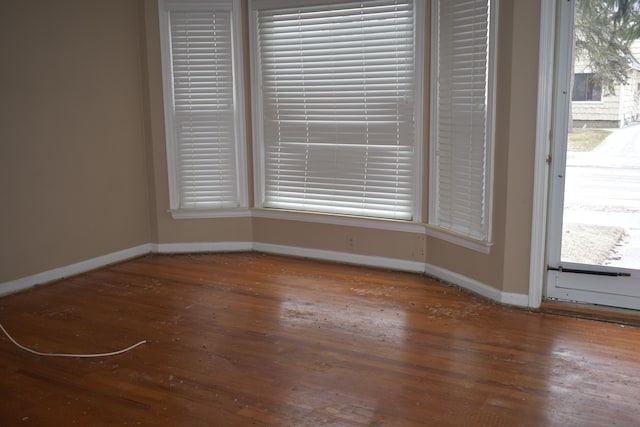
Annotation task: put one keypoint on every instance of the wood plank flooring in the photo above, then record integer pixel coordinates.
(248, 339)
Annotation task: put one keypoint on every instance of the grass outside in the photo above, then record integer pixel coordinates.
(586, 139)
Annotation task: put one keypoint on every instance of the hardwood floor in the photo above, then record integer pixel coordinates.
(254, 339)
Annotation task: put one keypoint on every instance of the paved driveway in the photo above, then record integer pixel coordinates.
(603, 188)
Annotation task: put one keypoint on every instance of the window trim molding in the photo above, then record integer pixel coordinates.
(240, 104)
(210, 213)
(458, 239)
(341, 220)
(256, 110)
(239, 114)
(420, 25)
(167, 100)
(439, 232)
(309, 217)
(491, 125)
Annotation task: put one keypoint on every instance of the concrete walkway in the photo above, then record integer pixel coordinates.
(603, 188)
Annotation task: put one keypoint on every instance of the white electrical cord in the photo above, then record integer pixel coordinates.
(113, 353)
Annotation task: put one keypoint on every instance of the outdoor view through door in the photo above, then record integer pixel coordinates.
(602, 187)
(594, 229)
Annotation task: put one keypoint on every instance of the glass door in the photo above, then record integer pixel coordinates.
(594, 234)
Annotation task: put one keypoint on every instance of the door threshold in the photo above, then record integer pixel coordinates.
(601, 313)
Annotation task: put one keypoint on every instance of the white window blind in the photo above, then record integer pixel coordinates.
(338, 102)
(200, 104)
(462, 103)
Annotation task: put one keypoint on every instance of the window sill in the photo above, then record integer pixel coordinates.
(458, 239)
(336, 219)
(210, 213)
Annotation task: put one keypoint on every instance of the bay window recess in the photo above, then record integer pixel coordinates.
(462, 111)
(336, 97)
(204, 117)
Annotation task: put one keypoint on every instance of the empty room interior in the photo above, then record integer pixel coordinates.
(294, 213)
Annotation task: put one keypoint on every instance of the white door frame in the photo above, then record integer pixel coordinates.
(542, 157)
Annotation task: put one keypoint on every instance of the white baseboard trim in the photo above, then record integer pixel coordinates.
(464, 282)
(346, 257)
(194, 247)
(72, 269)
(472, 285)
(520, 300)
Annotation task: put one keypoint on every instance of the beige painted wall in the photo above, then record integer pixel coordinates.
(521, 145)
(120, 106)
(351, 240)
(72, 137)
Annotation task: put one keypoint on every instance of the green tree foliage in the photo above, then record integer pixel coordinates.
(627, 15)
(604, 31)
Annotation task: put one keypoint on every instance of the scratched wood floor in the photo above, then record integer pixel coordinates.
(255, 339)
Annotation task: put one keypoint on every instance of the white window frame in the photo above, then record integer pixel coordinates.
(258, 124)
(481, 243)
(241, 203)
